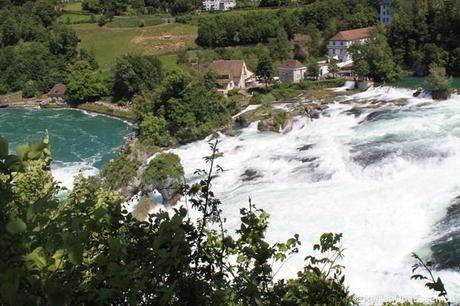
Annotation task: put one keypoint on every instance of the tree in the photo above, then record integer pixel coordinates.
(153, 130)
(84, 84)
(280, 46)
(45, 10)
(313, 68)
(64, 41)
(374, 58)
(92, 6)
(333, 68)
(265, 70)
(454, 62)
(439, 83)
(181, 6)
(135, 73)
(10, 34)
(361, 68)
(210, 80)
(88, 55)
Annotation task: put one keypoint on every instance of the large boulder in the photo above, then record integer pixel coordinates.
(165, 174)
(268, 125)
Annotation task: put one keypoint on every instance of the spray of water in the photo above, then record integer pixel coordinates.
(383, 177)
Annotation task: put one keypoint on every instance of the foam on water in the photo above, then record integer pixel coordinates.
(64, 173)
(311, 181)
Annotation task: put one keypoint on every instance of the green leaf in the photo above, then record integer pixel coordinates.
(57, 260)
(3, 148)
(15, 226)
(76, 254)
(36, 260)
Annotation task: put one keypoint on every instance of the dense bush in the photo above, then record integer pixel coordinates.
(121, 170)
(162, 167)
(259, 26)
(191, 109)
(235, 29)
(84, 84)
(135, 73)
(305, 85)
(34, 54)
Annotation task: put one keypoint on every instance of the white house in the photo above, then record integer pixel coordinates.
(338, 45)
(218, 5)
(232, 74)
(291, 71)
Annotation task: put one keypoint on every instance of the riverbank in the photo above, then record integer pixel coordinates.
(98, 107)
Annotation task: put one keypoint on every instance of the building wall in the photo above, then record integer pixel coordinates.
(385, 15)
(291, 75)
(339, 48)
(218, 5)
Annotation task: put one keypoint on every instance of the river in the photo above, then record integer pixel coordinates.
(386, 178)
(383, 177)
(79, 141)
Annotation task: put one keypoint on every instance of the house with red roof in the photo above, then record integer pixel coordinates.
(291, 71)
(338, 45)
(232, 74)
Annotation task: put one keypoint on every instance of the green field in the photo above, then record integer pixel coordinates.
(71, 18)
(416, 82)
(110, 43)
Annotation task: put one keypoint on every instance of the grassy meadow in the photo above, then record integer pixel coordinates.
(108, 43)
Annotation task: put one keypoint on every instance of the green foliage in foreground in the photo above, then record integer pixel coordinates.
(85, 249)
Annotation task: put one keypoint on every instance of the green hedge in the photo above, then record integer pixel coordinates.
(306, 85)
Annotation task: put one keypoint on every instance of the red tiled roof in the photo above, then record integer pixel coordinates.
(352, 34)
(230, 68)
(291, 64)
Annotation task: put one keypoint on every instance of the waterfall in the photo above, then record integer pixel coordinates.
(384, 177)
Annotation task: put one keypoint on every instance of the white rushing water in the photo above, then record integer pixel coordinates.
(384, 182)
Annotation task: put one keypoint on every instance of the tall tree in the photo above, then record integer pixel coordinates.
(313, 67)
(265, 69)
(377, 56)
(280, 46)
(135, 73)
(84, 84)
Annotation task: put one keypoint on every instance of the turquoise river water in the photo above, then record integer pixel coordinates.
(79, 140)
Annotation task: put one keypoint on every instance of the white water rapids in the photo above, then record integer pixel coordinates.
(384, 182)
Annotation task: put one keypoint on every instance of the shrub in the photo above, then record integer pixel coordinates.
(162, 167)
(120, 171)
